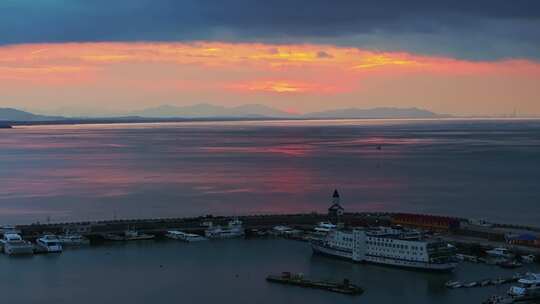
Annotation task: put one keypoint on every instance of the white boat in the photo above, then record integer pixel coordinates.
(324, 227)
(13, 244)
(9, 229)
(528, 258)
(129, 235)
(73, 240)
(500, 252)
(183, 236)
(498, 300)
(233, 229)
(529, 287)
(387, 246)
(453, 284)
(467, 258)
(280, 230)
(49, 243)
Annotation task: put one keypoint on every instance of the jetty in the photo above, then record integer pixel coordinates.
(485, 282)
(344, 287)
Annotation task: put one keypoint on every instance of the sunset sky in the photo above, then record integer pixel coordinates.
(100, 57)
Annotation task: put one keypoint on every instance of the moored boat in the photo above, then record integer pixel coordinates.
(129, 235)
(500, 252)
(528, 287)
(387, 246)
(183, 236)
(73, 240)
(13, 244)
(49, 243)
(233, 229)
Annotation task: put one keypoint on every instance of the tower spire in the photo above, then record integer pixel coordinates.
(335, 211)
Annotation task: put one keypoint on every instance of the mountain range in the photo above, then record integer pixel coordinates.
(209, 111)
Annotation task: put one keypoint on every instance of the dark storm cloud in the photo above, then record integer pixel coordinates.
(463, 28)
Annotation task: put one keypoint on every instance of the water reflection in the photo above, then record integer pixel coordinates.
(180, 169)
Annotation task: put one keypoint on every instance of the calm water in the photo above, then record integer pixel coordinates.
(479, 169)
(231, 271)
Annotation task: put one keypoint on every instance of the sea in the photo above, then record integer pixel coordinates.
(481, 169)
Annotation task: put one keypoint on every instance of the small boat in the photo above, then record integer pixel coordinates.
(528, 258)
(324, 227)
(13, 244)
(452, 284)
(485, 283)
(528, 287)
(467, 258)
(500, 252)
(498, 300)
(510, 264)
(183, 236)
(128, 235)
(49, 243)
(233, 229)
(73, 240)
(471, 284)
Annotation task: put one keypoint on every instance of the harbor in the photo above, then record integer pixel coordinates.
(180, 272)
(409, 243)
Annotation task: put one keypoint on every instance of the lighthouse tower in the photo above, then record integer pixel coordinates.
(335, 211)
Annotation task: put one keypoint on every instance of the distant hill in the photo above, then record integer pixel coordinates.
(9, 114)
(209, 110)
(375, 113)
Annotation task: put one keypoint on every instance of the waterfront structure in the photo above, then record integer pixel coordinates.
(524, 239)
(387, 246)
(288, 278)
(233, 229)
(13, 244)
(335, 211)
(428, 222)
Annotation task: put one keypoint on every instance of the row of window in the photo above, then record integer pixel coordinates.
(398, 246)
(394, 253)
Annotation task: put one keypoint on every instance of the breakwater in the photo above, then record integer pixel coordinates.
(159, 226)
(469, 239)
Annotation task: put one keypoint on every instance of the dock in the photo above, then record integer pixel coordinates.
(288, 278)
(484, 283)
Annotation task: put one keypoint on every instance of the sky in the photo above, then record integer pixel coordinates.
(77, 57)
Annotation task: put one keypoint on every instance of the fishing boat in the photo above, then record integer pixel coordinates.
(183, 236)
(129, 235)
(73, 240)
(49, 243)
(500, 252)
(13, 244)
(233, 229)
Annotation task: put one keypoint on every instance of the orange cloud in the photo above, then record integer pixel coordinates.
(213, 71)
(256, 55)
(281, 87)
